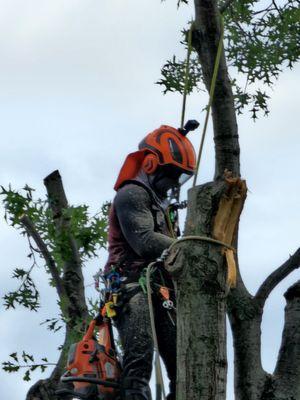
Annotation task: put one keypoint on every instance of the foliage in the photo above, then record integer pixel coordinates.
(174, 76)
(29, 364)
(90, 233)
(259, 43)
(27, 293)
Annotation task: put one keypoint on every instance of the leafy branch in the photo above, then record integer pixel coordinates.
(26, 295)
(30, 365)
(258, 43)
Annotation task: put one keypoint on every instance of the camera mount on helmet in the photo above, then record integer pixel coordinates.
(191, 125)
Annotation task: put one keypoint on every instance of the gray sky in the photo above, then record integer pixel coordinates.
(77, 94)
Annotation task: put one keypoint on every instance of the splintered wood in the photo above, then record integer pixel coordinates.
(227, 218)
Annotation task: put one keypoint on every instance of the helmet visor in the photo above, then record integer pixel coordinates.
(184, 177)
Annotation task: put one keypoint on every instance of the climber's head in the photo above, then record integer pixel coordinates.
(165, 155)
(169, 160)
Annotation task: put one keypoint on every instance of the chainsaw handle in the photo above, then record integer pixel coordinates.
(90, 331)
(90, 380)
(66, 392)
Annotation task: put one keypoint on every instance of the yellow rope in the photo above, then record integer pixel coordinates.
(202, 238)
(211, 96)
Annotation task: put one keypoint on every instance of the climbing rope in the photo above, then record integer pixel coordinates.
(159, 376)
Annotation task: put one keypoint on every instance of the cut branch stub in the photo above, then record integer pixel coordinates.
(229, 211)
(227, 219)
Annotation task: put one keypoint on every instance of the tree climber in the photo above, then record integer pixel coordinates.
(139, 231)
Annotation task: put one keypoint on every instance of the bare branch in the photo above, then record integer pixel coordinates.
(277, 276)
(32, 232)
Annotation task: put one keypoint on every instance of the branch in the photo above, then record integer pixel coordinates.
(58, 203)
(277, 276)
(225, 6)
(287, 371)
(72, 277)
(32, 232)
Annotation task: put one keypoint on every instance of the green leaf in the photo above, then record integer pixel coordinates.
(14, 356)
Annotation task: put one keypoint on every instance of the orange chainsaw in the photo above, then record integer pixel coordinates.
(93, 366)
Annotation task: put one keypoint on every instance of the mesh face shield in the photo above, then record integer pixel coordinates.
(168, 177)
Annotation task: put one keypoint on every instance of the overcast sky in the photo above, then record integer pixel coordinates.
(78, 94)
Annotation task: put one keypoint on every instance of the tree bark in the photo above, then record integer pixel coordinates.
(72, 273)
(287, 371)
(200, 277)
(206, 37)
(245, 314)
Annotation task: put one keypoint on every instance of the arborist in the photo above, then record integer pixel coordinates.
(139, 231)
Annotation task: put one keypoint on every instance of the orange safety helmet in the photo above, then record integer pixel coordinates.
(164, 146)
(168, 146)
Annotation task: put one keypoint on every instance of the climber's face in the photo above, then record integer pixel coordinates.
(167, 177)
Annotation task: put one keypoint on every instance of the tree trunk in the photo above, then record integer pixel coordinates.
(206, 37)
(200, 277)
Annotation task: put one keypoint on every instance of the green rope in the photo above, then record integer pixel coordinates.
(211, 96)
(186, 79)
(158, 369)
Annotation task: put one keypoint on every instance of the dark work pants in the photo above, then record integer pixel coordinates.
(134, 328)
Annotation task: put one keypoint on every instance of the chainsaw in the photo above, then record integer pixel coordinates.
(93, 367)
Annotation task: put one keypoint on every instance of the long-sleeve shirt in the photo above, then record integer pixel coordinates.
(138, 229)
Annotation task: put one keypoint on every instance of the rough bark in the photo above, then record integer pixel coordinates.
(245, 318)
(245, 313)
(200, 276)
(206, 37)
(287, 371)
